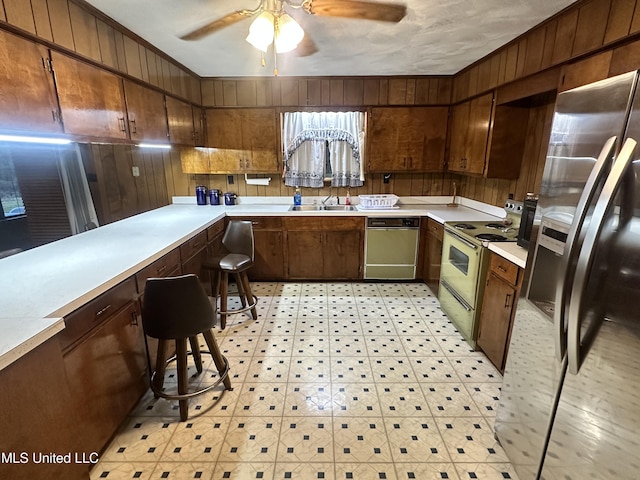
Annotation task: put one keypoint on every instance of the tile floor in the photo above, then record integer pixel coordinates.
(333, 381)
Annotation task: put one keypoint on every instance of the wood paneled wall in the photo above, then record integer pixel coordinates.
(75, 26)
(580, 30)
(323, 91)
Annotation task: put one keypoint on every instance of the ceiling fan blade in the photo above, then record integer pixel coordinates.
(306, 47)
(216, 25)
(385, 12)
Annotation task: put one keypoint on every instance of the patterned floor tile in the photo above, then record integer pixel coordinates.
(362, 439)
(470, 440)
(309, 399)
(365, 380)
(251, 439)
(304, 439)
(415, 440)
(355, 399)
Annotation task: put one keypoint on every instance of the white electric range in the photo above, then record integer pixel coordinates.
(464, 266)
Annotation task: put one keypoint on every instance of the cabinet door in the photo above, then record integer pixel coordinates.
(478, 133)
(224, 128)
(269, 256)
(146, 113)
(389, 138)
(180, 121)
(458, 137)
(199, 127)
(304, 254)
(27, 94)
(495, 319)
(107, 376)
(91, 99)
(343, 255)
(428, 129)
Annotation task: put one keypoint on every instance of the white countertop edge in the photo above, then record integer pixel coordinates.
(44, 329)
(510, 251)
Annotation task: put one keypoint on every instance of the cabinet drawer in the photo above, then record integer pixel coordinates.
(160, 268)
(326, 223)
(263, 223)
(504, 269)
(215, 230)
(96, 311)
(435, 228)
(193, 245)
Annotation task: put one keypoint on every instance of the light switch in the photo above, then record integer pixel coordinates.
(136, 171)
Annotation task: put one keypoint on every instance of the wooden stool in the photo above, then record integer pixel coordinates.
(177, 308)
(237, 259)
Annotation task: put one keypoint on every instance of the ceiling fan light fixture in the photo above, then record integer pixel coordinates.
(288, 34)
(261, 31)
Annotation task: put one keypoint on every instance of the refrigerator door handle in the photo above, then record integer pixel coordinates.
(604, 204)
(571, 249)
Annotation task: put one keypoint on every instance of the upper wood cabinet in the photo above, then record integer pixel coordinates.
(146, 114)
(27, 93)
(91, 99)
(470, 124)
(180, 118)
(199, 127)
(251, 130)
(407, 139)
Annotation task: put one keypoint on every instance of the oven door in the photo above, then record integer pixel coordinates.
(461, 264)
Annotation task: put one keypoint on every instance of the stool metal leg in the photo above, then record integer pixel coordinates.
(181, 359)
(221, 363)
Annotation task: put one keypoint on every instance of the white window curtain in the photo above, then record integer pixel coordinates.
(305, 136)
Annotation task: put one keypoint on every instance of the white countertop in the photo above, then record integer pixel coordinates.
(511, 251)
(39, 287)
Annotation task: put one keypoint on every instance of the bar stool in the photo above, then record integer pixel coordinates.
(239, 246)
(177, 308)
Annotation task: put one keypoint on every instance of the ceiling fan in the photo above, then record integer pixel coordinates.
(274, 25)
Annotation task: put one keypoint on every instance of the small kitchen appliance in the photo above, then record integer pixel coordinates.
(214, 196)
(230, 198)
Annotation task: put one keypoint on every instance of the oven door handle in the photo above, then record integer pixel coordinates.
(455, 295)
(462, 239)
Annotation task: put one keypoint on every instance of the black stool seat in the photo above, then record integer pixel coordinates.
(177, 308)
(235, 262)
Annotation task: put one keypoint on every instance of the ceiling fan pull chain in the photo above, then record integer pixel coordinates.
(275, 62)
(262, 62)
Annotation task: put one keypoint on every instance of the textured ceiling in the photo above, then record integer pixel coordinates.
(435, 38)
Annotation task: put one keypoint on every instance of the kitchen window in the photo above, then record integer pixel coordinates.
(323, 146)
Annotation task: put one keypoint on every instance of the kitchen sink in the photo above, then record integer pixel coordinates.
(322, 208)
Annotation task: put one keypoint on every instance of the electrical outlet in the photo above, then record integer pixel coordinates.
(136, 171)
(230, 179)
(386, 177)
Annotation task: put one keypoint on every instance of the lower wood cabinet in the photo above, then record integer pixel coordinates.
(269, 248)
(107, 375)
(324, 247)
(430, 258)
(498, 309)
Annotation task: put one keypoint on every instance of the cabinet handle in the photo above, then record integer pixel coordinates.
(123, 126)
(135, 128)
(161, 269)
(502, 269)
(134, 318)
(507, 301)
(101, 312)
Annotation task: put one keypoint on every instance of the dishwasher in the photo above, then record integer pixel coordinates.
(391, 248)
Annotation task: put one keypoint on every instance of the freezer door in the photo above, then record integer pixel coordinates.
(596, 432)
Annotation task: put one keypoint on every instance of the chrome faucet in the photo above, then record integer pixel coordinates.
(329, 197)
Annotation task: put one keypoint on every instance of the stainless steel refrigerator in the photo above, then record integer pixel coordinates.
(570, 401)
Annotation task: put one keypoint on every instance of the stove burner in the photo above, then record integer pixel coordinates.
(492, 237)
(495, 225)
(465, 226)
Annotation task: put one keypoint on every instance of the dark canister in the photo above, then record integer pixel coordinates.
(230, 198)
(201, 195)
(214, 197)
